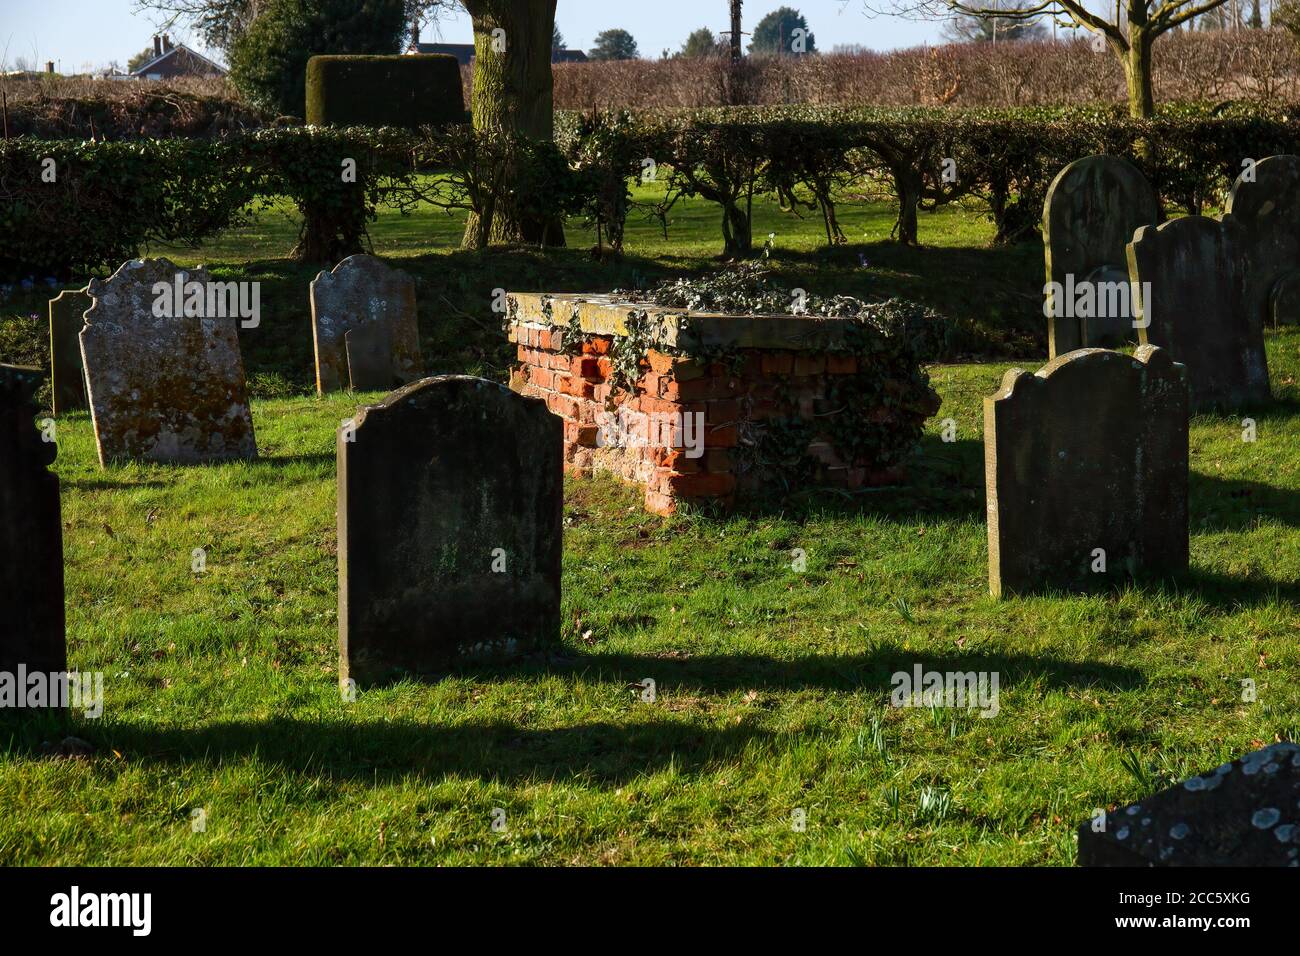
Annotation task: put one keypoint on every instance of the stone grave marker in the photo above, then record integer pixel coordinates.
(31, 533)
(1243, 813)
(449, 528)
(1085, 468)
(1092, 208)
(67, 379)
(1265, 200)
(359, 291)
(1191, 277)
(370, 357)
(164, 387)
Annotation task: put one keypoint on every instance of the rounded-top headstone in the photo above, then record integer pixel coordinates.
(1092, 209)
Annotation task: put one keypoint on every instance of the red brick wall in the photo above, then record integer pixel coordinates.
(734, 399)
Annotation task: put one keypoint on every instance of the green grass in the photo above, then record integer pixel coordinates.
(772, 684)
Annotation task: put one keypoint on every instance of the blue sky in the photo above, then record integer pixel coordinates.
(81, 34)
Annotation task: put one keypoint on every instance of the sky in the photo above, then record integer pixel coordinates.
(86, 34)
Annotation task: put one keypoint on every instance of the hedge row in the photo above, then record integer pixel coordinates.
(922, 157)
(108, 200)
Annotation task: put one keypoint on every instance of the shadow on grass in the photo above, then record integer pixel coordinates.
(944, 480)
(384, 751)
(606, 753)
(1233, 504)
(1224, 592)
(726, 673)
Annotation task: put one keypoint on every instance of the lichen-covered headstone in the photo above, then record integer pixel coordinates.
(1191, 276)
(359, 291)
(165, 380)
(1085, 467)
(31, 533)
(449, 528)
(1243, 813)
(67, 379)
(1092, 208)
(1265, 200)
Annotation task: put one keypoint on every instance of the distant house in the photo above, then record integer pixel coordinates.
(464, 52)
(170, 62)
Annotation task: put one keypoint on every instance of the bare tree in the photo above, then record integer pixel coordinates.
(965, 28)
(1128, 28)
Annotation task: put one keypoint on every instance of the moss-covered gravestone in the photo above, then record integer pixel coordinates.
(67, 380)
(449, 511)
(31, 534)
(1092, 208)
(360, 291)
(1243, 813)
(1192, 279)
(1265, 200)
(408, 91)
(1085, 467)
(163, 370)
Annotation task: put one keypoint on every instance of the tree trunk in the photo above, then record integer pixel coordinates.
(1137, 72)
(513, 93)
(908, 184)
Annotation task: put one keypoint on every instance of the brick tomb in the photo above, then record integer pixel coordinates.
(710, 408)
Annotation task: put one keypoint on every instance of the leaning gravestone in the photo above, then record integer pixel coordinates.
(1092, 208)
(67, 379)
(449, 527)
(1085, 466)
(1265, 200)
(164, 387)
(359, 291)
(1243, 813)
(31, 534)
(1191, 276)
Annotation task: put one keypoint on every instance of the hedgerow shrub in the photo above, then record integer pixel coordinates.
(108, 200)
(922, 157)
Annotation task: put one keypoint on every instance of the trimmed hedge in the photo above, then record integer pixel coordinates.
(402, 91)
(124, 195)
(1004, 159)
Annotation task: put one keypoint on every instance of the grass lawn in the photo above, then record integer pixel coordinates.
(772, 684)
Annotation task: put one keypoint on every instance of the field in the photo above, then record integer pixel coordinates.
(772, 684)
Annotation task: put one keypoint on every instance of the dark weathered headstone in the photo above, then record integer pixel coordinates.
(67, 379)
(1191, 277)
(1107, 327)
(1284, 299)
(359, 291)
(31, 534)
(163, 387)
(1092, 208)
(449, 535)
(1085, 466)
(1244, 813)
(370, 357)
(1265, 201)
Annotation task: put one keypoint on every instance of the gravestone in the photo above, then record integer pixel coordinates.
(449, 527)
(359, 291)
(163, 387)
(1265, 200)
(1243, 813)
(31, 534)
(1092, 208)
(1090, 453)
(1191, 276)
(370, 357)
(67, 379)
(1284, 300)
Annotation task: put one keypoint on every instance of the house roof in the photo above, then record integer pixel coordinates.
(145, 68)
